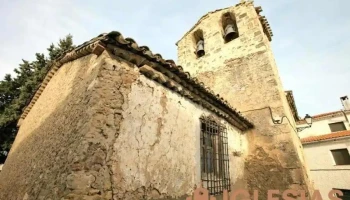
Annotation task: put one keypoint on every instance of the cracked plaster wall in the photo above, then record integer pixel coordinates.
(64, 147)
(158, 152)
(100, 130)
(244, 72)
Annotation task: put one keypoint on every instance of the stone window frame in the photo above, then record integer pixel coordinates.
(214, 156)
(223, 23)
(197, 36)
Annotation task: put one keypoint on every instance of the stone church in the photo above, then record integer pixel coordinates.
(114, 120)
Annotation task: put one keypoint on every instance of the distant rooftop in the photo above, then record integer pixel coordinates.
(325, 116)
(319, 138)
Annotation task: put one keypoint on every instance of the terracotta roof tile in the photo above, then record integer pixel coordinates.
(334, 135)
(325, 115)
(291, 102)
(114, 40)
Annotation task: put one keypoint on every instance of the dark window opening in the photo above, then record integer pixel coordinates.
(339, 126)
(346, 194)
(199, 39)
(214, 156)
(341, 156)
(229, 26)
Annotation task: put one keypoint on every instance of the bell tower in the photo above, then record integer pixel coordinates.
(229, 50)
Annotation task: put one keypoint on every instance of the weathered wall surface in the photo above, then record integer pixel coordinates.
(64, 146)
(251, 40)
(325, 174)
(100, 130)
(158, 148)
(244, 72)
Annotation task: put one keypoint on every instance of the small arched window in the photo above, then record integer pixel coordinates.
(199, 40)
(229, 26)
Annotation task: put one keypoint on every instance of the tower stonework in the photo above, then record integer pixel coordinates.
(243, 71)
(113, 120)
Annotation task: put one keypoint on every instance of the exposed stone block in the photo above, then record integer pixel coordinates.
(245, 73)
(243, 15)
(297, 176)
(79, 181)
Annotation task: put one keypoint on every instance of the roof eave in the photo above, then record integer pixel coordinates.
(128, 49)
(326, 140)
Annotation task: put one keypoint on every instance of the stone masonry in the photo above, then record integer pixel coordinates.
(102, 130)
(64, 147)
(245, 73)
(112, 120)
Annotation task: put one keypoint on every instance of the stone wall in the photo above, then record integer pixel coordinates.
(158, 148)
(244, 72)
(251, 40)
(100, 130)
(64, 146)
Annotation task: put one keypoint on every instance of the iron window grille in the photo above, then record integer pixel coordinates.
(214, 156)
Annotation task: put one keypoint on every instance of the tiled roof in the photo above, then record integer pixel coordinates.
(325, 116)
(291, 102)
(153, 66)
(334, 135)
(264, 23)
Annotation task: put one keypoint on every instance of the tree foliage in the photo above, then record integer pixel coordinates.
(16, 92)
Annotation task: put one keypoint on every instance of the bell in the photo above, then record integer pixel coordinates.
(230, 32)
(200, 48)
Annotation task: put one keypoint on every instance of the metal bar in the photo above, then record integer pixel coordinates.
(212, 133)
(214, 156)
(211, 159)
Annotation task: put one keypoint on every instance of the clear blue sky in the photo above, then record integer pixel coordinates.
(311, 40)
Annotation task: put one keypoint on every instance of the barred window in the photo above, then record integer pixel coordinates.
(214, 156)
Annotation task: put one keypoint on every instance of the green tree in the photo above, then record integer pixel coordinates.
(15, 93)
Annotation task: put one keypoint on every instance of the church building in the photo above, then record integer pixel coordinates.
(114, 120)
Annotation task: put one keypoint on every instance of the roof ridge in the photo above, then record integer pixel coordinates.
(325, 115)
(164, 71)
(333, 135)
